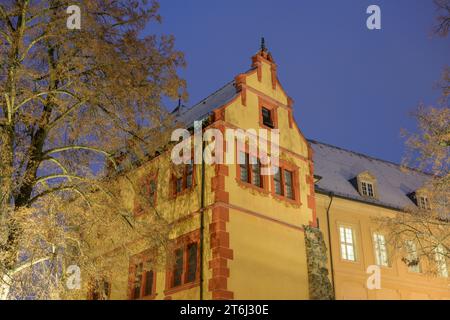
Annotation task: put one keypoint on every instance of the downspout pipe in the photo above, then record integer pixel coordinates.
(202, 220)
(331, 195)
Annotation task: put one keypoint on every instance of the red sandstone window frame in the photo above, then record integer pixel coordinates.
(273, 108)
(183, 242)
(145, 183)
(143, 257)
(94, 288)
(184, 176)
(264, 183)
(286, 166)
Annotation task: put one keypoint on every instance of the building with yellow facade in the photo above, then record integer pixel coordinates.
(241, 235)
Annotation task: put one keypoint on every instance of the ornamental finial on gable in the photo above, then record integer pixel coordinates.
(263, 45)
(264, 56)
(264, 52)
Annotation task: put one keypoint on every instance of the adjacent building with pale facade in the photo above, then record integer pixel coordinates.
(352, 190)
(238, 234)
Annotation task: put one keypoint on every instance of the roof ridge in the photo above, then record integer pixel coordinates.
(222, 87)
(369, 157)
(210, 95)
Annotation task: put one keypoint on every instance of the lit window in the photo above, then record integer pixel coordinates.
(367, 189)
(412, 258)
(381, 253)
(441, 261)
(347, 243)
(267, 117)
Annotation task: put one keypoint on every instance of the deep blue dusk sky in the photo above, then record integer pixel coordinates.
(352, 87)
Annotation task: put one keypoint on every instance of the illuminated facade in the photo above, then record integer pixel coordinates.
(252, 227)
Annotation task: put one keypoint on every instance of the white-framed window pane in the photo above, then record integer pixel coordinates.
(413, 257)
(364, 188)
(423, 203)
(370, 189)
(347, 243)
(349, 235)
(350, 253)
(441, 262)
(381, 253)
(367, 189)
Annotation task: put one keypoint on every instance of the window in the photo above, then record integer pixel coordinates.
(422, 202)
(277, 182)
(189, 175)
(381, 253)
(185, 181)
(288, 184)
(250, 169)
(347, 240)
(191, 273)
(152, 192)
(283, 183)
(256, 172)
(148, 283)
(142, 278)
(178, 268)
(243, 165)
(179, 185)
(100, 290)
(147, 195)
(441, 261)
(366, 183)
(367, 189)
(267, 117)
(412, 257)
(185, 264)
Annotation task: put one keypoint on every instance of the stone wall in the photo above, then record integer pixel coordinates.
(320, 287)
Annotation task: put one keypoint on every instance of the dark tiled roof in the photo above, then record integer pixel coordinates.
(337, 167)
(207, 105)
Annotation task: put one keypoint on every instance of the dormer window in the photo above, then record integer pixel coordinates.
(366, 184)
(422, 202)
(267, 117)
(420, 198)
(367, 189)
